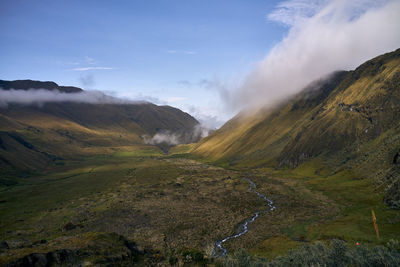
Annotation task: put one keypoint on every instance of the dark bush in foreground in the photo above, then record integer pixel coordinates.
(319, 254)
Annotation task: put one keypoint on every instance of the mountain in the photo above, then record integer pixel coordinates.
(30, 84)
(34, 136)
(347, 121)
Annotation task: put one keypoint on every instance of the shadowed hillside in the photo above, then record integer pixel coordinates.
(349, 120)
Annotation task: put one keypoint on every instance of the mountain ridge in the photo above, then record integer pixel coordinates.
(350, 122)
(33, 84)
(33, 136)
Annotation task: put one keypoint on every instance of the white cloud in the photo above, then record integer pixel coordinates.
(42, 96)
(71, 63)
(139, 96)
(175, 138)
(90, 60)
(186, 52)
(82, 61)
(92, 68)
(208, 116)
(323, 36)
(290, 12)
(164, 137)
(173, 99)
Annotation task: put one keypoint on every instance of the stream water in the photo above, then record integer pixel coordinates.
(219, 250)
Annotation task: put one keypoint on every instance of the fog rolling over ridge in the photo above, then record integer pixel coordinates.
(323, 36)
(30, 92)
(42, 96)
(24, 93)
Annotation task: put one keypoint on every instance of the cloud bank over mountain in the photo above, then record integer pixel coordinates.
(323, 36)
(42, 96)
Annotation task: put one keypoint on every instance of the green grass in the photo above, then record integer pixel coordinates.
(357, 198)
(138, 195)
(354, 196)
(149, 197)
(181, 149)
(152, 151)
(321, 204)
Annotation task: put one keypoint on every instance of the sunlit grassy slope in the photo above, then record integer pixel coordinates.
(350, 120)
(32, 137)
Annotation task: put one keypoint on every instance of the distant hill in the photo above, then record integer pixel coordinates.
(349, 121)
(32, 136)
(30, 84)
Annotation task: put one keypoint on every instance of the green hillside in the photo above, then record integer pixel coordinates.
(348, 121)
(34, 137)
(79, 185)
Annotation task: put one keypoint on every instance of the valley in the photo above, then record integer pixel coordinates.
(172, 205)
(111, 183)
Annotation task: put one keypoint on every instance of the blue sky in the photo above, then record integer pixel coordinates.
(209, 58)
(163, 50)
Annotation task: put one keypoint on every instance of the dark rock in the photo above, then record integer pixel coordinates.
(69, 226)
(60, 256)
(392, 197)
(4, 245)
(36, 260)
(63, 257)
(396, 158)
(101, 252)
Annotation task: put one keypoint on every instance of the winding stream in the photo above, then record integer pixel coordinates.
(219, 250)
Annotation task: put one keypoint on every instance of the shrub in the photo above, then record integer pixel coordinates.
(337, 253)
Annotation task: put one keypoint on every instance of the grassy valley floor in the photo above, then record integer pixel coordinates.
(174, 208)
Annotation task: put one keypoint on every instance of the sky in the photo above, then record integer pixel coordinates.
(209, 58)
(165, 51)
